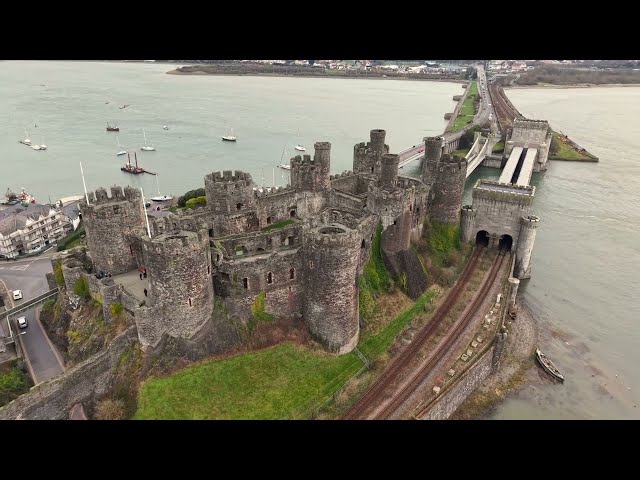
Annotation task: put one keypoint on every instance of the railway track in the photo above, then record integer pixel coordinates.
(504, 112)
(371, 395)
(401, 397)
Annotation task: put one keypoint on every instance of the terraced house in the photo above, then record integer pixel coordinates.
(27, 229)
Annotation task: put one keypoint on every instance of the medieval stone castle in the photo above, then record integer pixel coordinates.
(302, 246)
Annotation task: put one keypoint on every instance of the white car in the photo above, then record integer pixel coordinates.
(22, 322)
(17, 294)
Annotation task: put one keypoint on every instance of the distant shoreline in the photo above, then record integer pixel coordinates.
(318, 75)
(575, 85)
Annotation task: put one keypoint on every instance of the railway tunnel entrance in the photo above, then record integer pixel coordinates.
(505, 243)
(482, 238)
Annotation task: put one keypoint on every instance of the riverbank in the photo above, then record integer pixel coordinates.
(516, 368)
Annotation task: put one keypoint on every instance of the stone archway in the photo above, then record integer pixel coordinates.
(482, 238)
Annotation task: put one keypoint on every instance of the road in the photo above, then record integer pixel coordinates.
(485, 112)
(28, 275)
(44, 362)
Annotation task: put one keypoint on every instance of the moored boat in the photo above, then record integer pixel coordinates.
(112, 128)
(548, 365)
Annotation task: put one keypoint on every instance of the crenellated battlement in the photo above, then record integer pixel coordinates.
(334, 234)
(530, 221)
(274, 191)
(118, 194)
(229, 176)
(503, 192)
(520, 123)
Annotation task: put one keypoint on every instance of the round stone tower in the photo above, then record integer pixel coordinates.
(180, 283)
(433, 147)
(526, 240)
(312, 175)
(447, 190)
(229, 192)
(467, 221)
(331, 255)
(389, 170)
(367, 158)
(109, 222)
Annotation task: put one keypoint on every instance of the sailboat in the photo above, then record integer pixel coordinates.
(27, 140)
(121, 152)
(299, 147)
(284, 166)
(160, 198)
(146, 147)
(230, 137)
(42, 145)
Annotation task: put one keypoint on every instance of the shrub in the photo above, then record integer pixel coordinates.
(258, 310)
(196, 202)
(116, 309)
(81, 288)
(182, 200)
(57, 271)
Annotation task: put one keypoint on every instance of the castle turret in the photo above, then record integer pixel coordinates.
(447, 190)
(526, 240)
(331, 256)
(228, 192)
(367, 158)
(389, 170)
(433, 147)
(180, 284)
(109, 222)
(312, 175)
(467, 223)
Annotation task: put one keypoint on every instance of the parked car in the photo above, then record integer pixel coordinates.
(17, 294)
(22, 322)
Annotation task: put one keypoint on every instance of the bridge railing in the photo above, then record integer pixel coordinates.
(30, 303)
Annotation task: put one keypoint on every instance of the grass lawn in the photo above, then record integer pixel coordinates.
(285, 381)
(466, 112)
(498, 147)
(567, 152)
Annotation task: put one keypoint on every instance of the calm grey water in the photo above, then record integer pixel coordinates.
(266, 113)
(586, 260)
(587, 254)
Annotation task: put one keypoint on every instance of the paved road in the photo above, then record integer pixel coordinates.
(44, 363)
(484, 111)
(29, 276)
(26, 275)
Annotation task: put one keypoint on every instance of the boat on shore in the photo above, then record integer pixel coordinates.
(548, 366)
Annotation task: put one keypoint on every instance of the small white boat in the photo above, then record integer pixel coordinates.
(164, 127)
(285, 166)
(160, 198)
(27, 140)
(121, 152)
(300, 148)
(36, 147)
(145, 147)
(42, 145)
(230, 137)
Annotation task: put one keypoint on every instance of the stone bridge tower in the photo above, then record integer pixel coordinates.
(331, 255)
(433, 148)
(109, 223)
